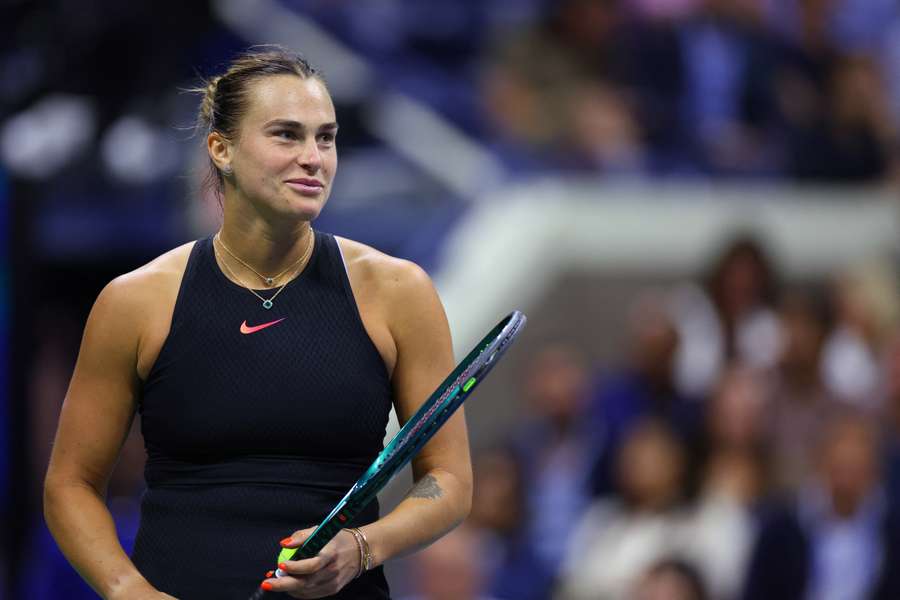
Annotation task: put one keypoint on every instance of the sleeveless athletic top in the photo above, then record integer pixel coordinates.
(256, 423)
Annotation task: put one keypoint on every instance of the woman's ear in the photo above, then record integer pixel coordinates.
(219, 149)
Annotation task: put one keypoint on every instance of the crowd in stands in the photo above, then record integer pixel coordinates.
(747, 447)
(804, 90)
(799, 89)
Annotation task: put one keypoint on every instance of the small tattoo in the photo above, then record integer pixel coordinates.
(427, 487)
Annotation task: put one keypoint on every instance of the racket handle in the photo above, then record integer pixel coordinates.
(259, 594)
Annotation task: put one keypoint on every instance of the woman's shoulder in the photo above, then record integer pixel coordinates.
(164, 269)
(378, 268)
(149, 284)
(131, 307)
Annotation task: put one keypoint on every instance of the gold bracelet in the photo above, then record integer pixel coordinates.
(362, 553)
(369, 559)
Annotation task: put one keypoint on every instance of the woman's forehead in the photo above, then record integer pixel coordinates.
(291, 98)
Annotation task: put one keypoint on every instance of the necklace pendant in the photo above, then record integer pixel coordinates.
(269, 281)
(267, 304)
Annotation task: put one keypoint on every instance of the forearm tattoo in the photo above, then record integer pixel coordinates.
(427, 487)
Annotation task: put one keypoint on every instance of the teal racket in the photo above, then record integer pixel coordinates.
(411, 437)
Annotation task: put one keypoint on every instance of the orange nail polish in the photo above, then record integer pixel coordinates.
(285, 541)
(266, 586)
(270, 573)
(282, 566)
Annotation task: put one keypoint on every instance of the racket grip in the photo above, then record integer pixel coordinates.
(310, 548)
(259, 594)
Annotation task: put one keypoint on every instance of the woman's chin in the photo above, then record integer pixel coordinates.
(303, 208)
(286, 208)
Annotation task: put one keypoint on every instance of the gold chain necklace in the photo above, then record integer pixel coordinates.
(268, 280)
(266, 302)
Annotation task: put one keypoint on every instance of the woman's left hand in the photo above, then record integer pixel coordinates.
(323, 575)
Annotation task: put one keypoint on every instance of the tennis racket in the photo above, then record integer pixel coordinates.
(411, 437)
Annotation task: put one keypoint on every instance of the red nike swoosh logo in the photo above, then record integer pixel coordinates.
(245, 329)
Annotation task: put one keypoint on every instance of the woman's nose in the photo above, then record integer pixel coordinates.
(310, 157)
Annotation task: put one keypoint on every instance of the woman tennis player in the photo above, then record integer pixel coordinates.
(264, 361)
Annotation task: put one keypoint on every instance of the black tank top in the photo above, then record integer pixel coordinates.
(256, 422)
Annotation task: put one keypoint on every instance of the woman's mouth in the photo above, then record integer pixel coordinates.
(306, 186)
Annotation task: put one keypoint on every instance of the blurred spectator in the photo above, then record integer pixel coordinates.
(662, 9)
(643, 387)
(553, 93)
(848, 136)
(730, 319)
(867, 307)
(555, 445)
(735, 431)
(620, 537)
(512, 569)
(498, 500)
(670, 579)
(840, 539)
(726, 104)
(891, 379)
(799, 403)
(604, 125)
(605, 131)
(719, 526)
(452, 568)
(527, 84)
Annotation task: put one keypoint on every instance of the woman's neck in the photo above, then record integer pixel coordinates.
(266, 248)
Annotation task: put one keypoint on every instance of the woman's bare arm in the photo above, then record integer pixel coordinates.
(442, 494)
(96, 416)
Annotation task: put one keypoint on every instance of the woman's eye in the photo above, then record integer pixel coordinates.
(326, 138)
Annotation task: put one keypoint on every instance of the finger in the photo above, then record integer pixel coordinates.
(297, 538)
(300, 587)
(284, 584)
(305, 566)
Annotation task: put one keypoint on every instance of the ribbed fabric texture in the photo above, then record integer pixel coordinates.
(252, 436)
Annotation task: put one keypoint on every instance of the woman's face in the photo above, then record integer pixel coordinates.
(285, 156)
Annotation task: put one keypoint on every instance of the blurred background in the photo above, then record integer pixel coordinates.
(694, 201)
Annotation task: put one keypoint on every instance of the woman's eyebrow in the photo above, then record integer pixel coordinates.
(291, 124)
(288, 123)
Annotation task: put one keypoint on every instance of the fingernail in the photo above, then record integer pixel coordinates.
(285, 541)
(266, 586)
(282, 566)
(270, 573)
